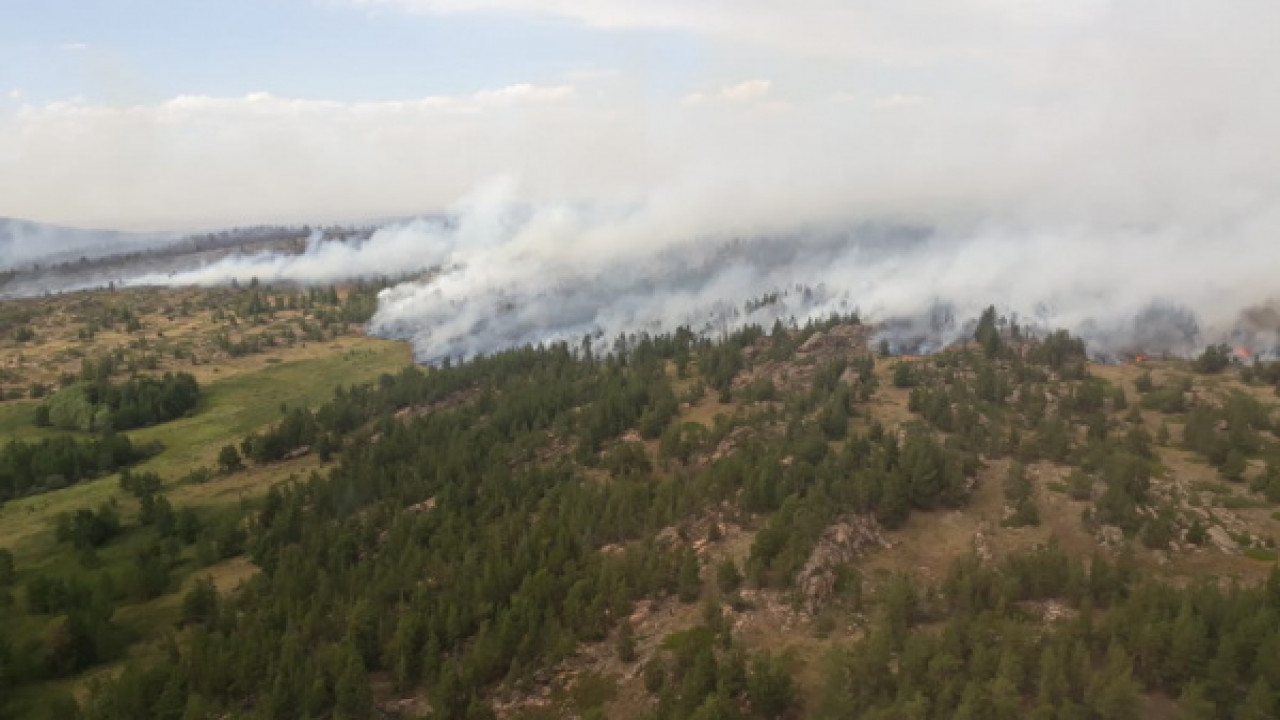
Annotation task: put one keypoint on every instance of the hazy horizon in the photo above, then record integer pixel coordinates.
(1131, 113)
(617, 165)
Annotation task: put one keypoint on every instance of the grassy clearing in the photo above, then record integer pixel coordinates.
(17, 421)
(235, 405)
(230, 407)
(704, 412)
(1260, 554)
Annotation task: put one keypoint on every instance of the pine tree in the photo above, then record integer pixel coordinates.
(1006, 703)
(716, 707)
(974, 704)
(895, 504)
(1266, 661)
(688, 581)
(728, 578)
(406, 651)
(1259, 704)
(1223, 677)
(626, 642)
(1115, 693)
(769, 687)
(987, 334)
(477, 709)
(1194, 704)
(451, 697)
(353, 697)
(229, 459)
(1189, 645)
(6, 568)
(1053, 686)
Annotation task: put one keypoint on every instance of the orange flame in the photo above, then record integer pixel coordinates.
(1241, 353)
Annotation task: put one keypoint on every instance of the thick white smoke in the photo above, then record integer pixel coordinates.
(504, 274)
(392, 251)
(1114, 172)
(1121, 288)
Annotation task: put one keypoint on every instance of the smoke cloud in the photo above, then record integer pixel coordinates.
(499, 273)
(1115, 287)
(1110, 168)
(25, 244)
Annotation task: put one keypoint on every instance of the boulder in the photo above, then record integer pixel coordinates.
(1222, 540)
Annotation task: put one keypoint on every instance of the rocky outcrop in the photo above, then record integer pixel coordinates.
(416, 411)
(821, 348)
(849, 537)
(1222, 540)
(1111, 537)
(982, 541)
(836, 342)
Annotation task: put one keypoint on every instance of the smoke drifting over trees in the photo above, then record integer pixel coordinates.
(500, 273)
(1108, 168)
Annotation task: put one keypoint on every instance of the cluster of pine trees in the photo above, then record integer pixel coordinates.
(984, 645)
(27, 468)
(99, 405)
(1033, 401)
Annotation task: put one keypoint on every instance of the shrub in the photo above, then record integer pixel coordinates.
(201, 602)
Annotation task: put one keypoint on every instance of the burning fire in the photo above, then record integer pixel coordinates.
(1241, 353)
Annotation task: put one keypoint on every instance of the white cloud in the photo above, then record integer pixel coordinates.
(749, 90)
(199, 160)
(74, 46)
(899, 100)
(740, 92)
(1078, 116)
(525, 92)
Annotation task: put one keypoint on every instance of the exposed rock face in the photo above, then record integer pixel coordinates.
(416, 411)
(424, 506)
(851, 377)
(1221, 540)
(849, 537)
(982, 542)
(729, 444)
(842, 341)
(836, 342)
(1110, 537)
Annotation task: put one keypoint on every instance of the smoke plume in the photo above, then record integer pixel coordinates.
(499, 273)
(1109, 168)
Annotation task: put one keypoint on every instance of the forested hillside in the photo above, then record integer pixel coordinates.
(775, 523)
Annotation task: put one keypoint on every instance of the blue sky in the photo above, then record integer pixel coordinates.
(148, 50)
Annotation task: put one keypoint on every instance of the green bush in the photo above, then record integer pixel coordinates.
(1260, 554)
